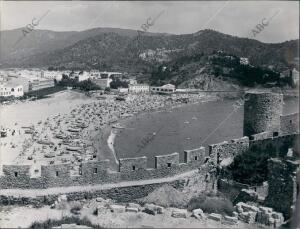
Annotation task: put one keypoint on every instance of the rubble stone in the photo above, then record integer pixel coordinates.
(179, 213)
(133, 205)
(231, 219)
(214, 216)
(198, 213)
(153, 209)
(117, 208)
(135, 210)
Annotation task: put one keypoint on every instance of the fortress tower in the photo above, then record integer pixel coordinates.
(262, 112)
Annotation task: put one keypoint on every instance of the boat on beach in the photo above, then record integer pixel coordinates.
(118, 126)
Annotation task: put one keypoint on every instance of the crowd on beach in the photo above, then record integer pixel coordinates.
(70, 137)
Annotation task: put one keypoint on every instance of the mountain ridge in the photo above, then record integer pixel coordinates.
(126, 51)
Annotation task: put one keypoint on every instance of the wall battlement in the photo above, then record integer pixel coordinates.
(130, 169)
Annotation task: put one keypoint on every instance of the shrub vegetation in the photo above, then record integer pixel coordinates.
(211, 204)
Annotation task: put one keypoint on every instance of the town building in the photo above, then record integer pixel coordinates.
(167, 88)
(83, 76)
(139, 88)
(244, 61)
(94, 74)
(110, 74)
(35, 85)
(11, 89)
(57, 75)
(295, 78)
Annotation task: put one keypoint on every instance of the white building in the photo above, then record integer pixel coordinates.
(36, 85)
(295, 77)
(10, 89)
(167, 88)
(244, 61)
(123, 90)
(51, 75)
(83, 76)
(139, 88)
(110, 74)
(94, 74)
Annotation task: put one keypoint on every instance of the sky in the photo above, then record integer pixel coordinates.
(280, 19)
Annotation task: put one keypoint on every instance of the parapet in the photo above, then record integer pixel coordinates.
(194, 155)
(261, 136)
(132, 169)
(132, 164)
(227, 149)
(93, 167)
(16, 171)
(167, 161)
(289, 123)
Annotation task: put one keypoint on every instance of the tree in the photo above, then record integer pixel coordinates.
(116, 83)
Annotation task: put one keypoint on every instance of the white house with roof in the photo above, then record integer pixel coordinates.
(11, 89)
(138, 88)
(52, 75)
(167, 88)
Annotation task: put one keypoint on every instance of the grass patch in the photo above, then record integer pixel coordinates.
(251, 167)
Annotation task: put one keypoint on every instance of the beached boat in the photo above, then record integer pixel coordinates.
(118, 126)
(73, 129)
(73, 148)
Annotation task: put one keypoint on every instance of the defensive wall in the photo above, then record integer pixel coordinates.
(98, 172)
(132, 169)
(265, 128)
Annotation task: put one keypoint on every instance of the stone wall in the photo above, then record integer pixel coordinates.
(97, 172)
(132, 164)
(289, 123)
(194, 155)
(282, 193)
(228, 150)
(166, 161)
(133, 169)
(119, 194)
(261, 136)
(279, 144)
(262, 112)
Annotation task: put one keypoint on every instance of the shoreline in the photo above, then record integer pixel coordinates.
(111, 138)
(111, 142)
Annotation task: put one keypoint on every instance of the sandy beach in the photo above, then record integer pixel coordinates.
(72, 127)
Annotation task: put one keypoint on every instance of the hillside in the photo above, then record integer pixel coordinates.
(187, 56)
(15, 46)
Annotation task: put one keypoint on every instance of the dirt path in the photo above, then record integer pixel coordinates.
(62, 190)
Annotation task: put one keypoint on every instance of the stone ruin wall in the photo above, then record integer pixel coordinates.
(98, 172)
(262, 112)
(282, 191)
(133, 169)
(289, 123)
(228, 150)
(284, 135)
(130, 169)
